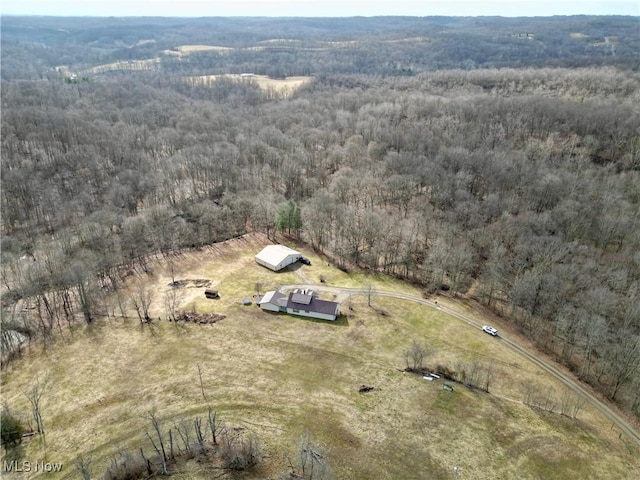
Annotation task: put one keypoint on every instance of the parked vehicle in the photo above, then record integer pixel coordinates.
(490, 330)
(211, 294)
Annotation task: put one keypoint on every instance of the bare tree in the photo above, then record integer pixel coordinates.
(479, 375)
(310, 460)
(416, 354)
(215, 425)
(494, 277)
(571, 403)
(38, 389)
(121, 304)
(184, 432)
(487, 378)
(83, 277)
(141, 302)
(172, 269)
(635, 397)
(83, 465)
(237, 452)
(171, 305)
(126, 465)
(623, 360)
(201, 383)
(159, 447)
(197, 427)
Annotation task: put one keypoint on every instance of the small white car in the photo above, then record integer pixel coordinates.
(490, 330)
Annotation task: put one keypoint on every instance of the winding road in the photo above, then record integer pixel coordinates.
(625, 427)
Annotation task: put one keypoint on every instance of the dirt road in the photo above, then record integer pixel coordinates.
(625, 427)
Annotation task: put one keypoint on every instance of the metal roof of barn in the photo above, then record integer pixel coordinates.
(274, 254)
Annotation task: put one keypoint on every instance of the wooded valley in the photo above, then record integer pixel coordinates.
(493, 158)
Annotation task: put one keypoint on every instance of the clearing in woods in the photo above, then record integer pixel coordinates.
(284, 86)
(275, 375)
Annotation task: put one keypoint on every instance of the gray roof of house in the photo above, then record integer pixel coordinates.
(314, 304)
(301, 298)
(274, 297)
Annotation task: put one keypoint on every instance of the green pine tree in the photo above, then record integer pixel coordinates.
(289, 218)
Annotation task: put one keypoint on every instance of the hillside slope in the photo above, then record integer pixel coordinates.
(275, 375)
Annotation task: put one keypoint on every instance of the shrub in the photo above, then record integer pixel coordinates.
(12, 429)
(127, 466)
(239, 453)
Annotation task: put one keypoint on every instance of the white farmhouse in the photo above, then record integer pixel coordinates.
(276, 257)
(304, 303)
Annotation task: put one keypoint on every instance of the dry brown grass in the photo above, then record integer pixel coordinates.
(579, 35)
(281, 41)
(345, 44)
(189, 49)
(276, 374)
(409, 40)
(148, 64)
(283, 87)
(202, 48)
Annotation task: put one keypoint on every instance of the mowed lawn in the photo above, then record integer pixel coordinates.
(276, 375)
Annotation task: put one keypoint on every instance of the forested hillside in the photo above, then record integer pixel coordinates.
(493, 158)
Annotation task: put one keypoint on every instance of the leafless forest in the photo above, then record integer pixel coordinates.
(497, 158)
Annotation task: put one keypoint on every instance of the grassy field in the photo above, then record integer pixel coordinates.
(187, 49)
(148, 64)
(285, 86)
(282, 87)
(276, 375)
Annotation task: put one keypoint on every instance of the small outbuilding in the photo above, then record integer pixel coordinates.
(276, 257)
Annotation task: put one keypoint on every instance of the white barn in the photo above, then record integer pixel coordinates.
(276, 257)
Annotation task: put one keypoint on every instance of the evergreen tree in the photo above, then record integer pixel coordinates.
(289, 218)
(12, 429)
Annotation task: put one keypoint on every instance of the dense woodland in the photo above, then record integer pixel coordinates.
(493, 158)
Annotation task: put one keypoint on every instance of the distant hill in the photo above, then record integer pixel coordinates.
(387, 45)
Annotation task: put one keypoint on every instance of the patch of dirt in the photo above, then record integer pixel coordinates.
(365, 388)
(380, 311)
(191, 283)
(200, 318)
